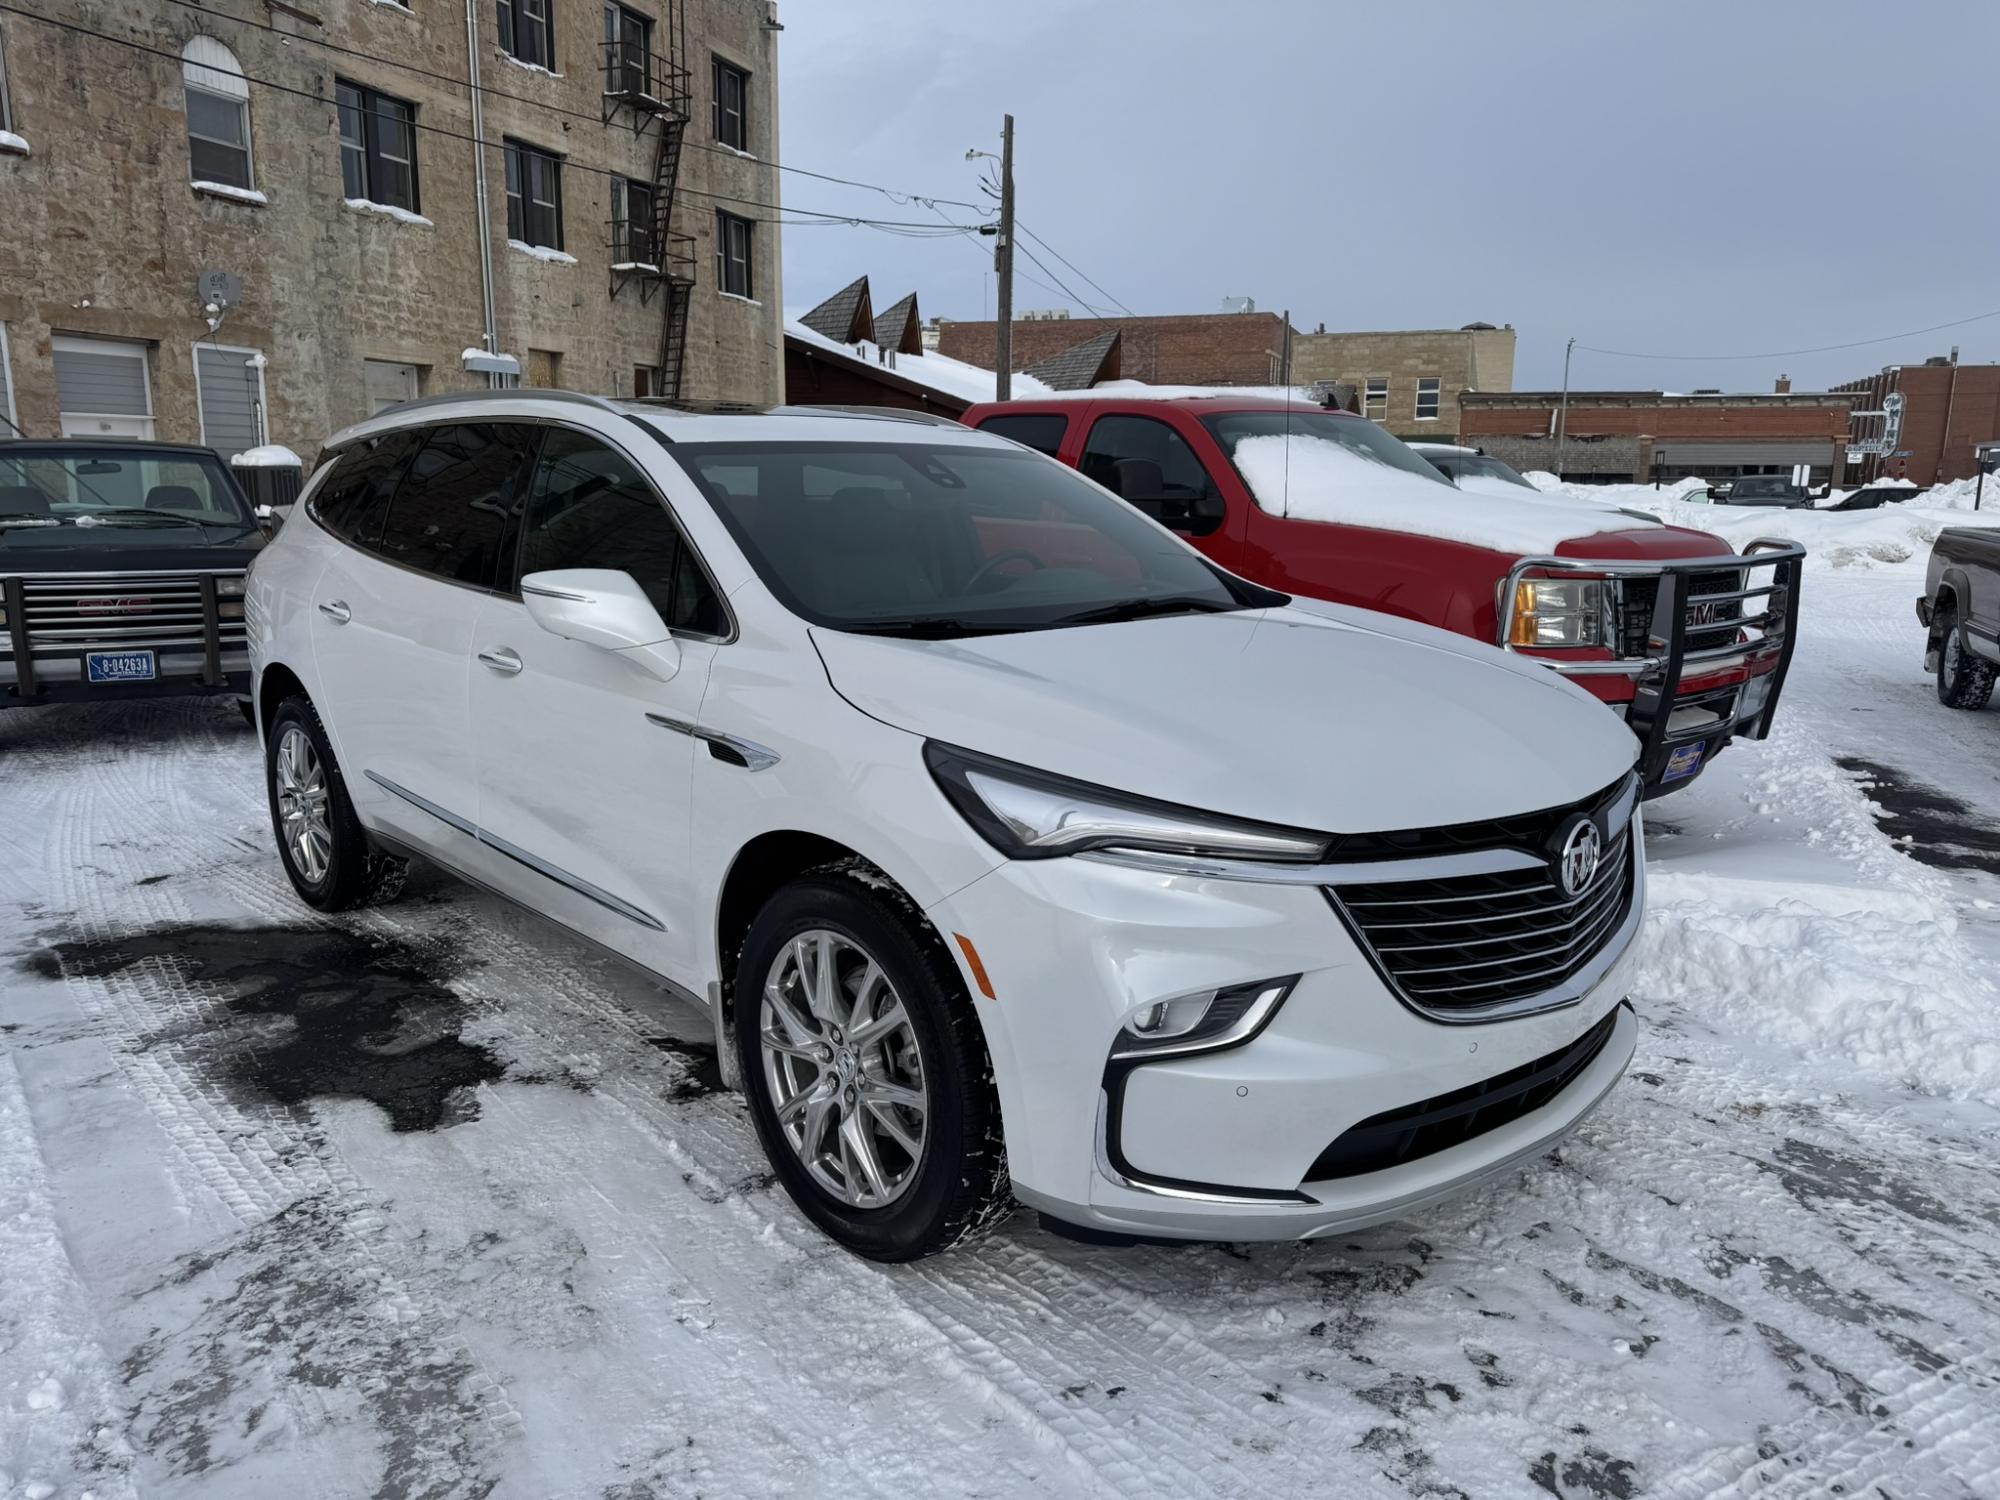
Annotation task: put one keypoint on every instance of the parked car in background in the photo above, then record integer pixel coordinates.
(1873, 496)
(1007, 839)
(1684, 639)
(1960, 607)
(121, 572)
(1765, 489)
(1470, 469)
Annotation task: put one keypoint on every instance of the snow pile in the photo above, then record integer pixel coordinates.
(542, 253)
(225, 190)
(388, 210)
(947, 376)
(269, 456)
(12, 142)
(1139, 390)
(1314, 479)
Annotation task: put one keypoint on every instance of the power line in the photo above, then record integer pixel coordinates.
(1887, 338)
(1078, 269)
(1066, 292)
(576, 114)
(812, 215)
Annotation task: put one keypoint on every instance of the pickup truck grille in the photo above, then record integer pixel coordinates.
(1709, 624)
(1468, 942)
(119, 611)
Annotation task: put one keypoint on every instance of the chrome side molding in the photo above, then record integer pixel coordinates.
(748, 754)
(521, 856)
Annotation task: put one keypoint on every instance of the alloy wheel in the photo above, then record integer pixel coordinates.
(843, 1069)
(304, 822)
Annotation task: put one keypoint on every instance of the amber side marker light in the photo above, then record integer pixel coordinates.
(978, 969)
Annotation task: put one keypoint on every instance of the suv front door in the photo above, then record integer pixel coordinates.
(585, 765)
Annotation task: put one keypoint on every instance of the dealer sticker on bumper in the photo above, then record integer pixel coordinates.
(120, 666)
(1685, 761)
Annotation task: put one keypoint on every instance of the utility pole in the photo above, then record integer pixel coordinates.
(1562, 421)
(1003, 267)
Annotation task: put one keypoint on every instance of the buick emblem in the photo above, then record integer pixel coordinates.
(1576, 861)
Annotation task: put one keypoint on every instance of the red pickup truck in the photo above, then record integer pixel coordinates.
(1687, 640)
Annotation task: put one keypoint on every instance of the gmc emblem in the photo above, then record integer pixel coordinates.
(1708, 613)
(113, 606)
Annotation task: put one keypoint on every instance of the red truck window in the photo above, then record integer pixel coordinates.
(1116, 440)
(1043, 432)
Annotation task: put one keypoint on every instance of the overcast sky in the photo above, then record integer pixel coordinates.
(1706, 178)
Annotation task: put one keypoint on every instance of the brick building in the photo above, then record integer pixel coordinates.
(1409, 380)
(1621, 437)
(321, 154)
(1245, 348)
(1948, 409)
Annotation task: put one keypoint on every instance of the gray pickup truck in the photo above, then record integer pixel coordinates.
(1961, 607)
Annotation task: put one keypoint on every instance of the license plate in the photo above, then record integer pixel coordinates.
(120, 666)
(1685, 761)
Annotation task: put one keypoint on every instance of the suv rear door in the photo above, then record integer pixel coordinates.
(585, 763)
(426, 514)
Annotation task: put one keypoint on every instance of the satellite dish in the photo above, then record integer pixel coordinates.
(218, 287)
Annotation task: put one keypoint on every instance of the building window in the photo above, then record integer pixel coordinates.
(525, 34)
(378, 146)
(628, 52)
(229, 397)
(732, 105)
(633, 242)
(1427, 398)
(732, 254)
(218, 114)
(387, 382)
(102, 388)
(1376, 402)
(10, 426)
(6, 100)
(534, 196)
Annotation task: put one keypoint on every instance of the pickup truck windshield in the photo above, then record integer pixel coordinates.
(115, 494)
(1766, 487)
(935, 541)
(1479, 466)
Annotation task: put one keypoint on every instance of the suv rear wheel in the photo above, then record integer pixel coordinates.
(320, 840)
(867, 1075)
(1963, 680)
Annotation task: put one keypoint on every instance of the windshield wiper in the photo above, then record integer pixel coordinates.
(925, 628)
(151, 517)
(1139, 609)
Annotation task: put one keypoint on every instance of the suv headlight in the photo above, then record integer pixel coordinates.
(229, 587)
(1029, 814)
(1560, 612)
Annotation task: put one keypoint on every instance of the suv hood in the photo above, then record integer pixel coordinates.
(1313, 715)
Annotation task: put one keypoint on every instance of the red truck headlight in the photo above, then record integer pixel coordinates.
(1560, 612)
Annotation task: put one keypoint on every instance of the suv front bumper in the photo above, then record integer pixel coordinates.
(1225, 1144)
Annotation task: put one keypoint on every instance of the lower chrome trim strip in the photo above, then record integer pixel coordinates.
(521, 856)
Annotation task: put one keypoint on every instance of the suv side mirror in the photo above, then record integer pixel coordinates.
(606, 608)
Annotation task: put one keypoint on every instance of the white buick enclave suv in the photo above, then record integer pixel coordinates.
(1017, 852)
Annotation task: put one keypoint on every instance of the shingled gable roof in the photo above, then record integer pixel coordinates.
(1081, 366)
(847, 317)
(899, 328)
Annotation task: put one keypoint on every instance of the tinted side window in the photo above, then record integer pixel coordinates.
(450, 512)
(1116, 439)
(1042, 433)
(355, 497)
(589, 508)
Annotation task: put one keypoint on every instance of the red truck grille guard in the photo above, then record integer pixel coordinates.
(1680, 621)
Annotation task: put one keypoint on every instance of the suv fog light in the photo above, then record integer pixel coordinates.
(1206, 1021)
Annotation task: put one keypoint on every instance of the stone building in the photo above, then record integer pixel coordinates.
(320, 156)
(1409, 379)
(1629, 437)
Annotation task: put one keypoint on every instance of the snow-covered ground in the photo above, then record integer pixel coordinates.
(433, 1202)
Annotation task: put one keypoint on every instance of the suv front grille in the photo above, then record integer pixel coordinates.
(1465, 943)
(1432, 1125)
(116, 612)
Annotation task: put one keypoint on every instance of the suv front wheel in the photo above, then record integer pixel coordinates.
(320, 840)
(866, 1072)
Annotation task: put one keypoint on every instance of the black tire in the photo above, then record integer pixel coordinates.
(1963, 680)
(352, 874)
(959, 1186)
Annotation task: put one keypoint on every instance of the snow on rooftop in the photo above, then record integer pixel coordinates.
(947, 376)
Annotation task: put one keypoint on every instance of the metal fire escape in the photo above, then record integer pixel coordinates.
(655, 89)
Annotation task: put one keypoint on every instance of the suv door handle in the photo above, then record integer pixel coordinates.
(502, 661)
(337, 611)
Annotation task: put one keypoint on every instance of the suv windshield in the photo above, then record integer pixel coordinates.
(946, 540)
(117, 489)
